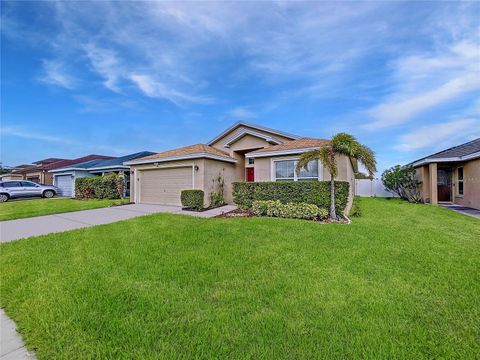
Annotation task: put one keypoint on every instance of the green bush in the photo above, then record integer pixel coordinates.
(310, 192)
(99, 187)
(275, 208)
(355, 210)
(192, 199)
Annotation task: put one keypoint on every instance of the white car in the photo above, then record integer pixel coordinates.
(11, 189)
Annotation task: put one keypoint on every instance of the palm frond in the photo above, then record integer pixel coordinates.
(344, 144)
(305, 158)
(366, 157)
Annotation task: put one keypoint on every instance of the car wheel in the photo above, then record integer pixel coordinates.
(48, 194)
(3, 197)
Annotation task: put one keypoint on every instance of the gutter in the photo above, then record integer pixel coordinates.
(183, 157)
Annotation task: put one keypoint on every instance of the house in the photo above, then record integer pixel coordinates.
(64, 177)
(40, 171)
(451, 175)
(37, 171)
(243, 152)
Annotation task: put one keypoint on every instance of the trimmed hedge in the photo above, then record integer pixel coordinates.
(275, 208)
(99, 187)
(310, 192)
(192, 199)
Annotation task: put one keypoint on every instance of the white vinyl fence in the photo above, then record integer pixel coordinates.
(366, 187)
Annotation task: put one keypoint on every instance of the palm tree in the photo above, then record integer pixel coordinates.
(340, 144)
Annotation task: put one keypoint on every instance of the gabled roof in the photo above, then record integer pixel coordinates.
(67, 163)
(253, 126)
(467, 151)
(186, 152)
(289, 147)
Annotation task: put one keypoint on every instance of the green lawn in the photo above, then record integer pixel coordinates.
(37, 207)
(403, 281)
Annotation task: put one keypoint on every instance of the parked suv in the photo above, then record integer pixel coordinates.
(14, 189)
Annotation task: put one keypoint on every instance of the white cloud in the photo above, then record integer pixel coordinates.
(155, 89)
(427, 82)
(240, 113)
(82, 145)
(12, 131)
(106, 64)
(55, 73)
(440, 135)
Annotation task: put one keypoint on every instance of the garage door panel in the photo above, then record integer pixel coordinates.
(163, 186)
(64, 183)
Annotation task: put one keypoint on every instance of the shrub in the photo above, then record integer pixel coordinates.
(99, 187)
(192, 199)
(355, 210)
(323, 213)
(275, 208)
(310, 192)
(401, 180)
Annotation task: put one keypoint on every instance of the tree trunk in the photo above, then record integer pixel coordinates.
(333, 214)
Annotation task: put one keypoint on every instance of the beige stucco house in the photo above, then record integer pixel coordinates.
(243, 152)
(451, 175)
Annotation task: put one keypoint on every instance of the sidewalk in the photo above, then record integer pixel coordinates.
(11, 343)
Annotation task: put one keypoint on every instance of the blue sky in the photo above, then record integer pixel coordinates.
(119, 77)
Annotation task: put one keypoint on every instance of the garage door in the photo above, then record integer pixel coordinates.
(163, 186)
(64, 183)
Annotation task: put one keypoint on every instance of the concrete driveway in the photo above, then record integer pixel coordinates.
(41, 225)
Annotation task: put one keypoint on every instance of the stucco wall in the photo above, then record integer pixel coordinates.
(471, 185)
(229, 172)
(423, 175)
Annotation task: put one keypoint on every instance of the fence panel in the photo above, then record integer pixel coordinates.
(366, 187)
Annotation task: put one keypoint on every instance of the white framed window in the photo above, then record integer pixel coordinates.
(284, 170)
(460, 181)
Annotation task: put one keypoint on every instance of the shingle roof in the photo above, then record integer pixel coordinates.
(199, 149)
(65, 163)
(120, 160)
(303, 143)
(48, 161)
(458, 151)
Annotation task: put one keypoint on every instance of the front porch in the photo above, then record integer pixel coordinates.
(441, 183)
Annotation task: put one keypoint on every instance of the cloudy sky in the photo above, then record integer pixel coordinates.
(119, 77)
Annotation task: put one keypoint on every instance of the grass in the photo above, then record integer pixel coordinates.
(27, 208)
(402, 281)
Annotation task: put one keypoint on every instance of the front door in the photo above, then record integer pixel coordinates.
(250, 174)
(444, 184)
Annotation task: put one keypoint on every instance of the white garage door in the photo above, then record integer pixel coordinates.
(163, 186)
(65, 184)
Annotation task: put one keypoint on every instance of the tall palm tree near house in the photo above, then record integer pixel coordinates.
(340, 144)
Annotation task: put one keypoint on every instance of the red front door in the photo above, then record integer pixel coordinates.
(250, 174)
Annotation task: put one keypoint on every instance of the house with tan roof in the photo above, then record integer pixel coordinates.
(243, 152)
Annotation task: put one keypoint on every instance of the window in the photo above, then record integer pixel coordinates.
(28, 184)
(285, 171)
(251, 161)
(10, 184)
(460, 181)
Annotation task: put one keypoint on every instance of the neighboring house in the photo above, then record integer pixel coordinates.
(243, 152)
(40, 171)
(64, 177)
(451, 175)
